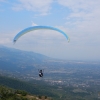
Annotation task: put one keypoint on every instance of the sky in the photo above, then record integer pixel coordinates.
(79, 19)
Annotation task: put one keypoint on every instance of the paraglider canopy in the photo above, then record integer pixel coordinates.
(26, 30)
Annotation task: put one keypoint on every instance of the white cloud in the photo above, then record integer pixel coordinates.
(82, 10)
(34, 24)
(80, 5)
(42, 6)
(5, 39)
(83, 20)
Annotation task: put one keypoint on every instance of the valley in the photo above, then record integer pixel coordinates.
(62, 79)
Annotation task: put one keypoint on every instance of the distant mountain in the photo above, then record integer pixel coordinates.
(13, 59)
(19, 55)
(25, 65)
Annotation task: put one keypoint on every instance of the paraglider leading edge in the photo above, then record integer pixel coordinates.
(37, 28)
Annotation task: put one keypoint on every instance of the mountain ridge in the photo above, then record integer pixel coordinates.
(10, 57)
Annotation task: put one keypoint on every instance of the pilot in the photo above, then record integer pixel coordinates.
(41, 73)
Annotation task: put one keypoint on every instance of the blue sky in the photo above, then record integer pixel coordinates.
(78, 18)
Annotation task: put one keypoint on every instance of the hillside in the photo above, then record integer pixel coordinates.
(34, 87)
(13, 94)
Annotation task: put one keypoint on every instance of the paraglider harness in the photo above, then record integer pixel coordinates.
(41, 73)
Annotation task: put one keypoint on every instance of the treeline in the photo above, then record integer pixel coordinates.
(13, 94)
